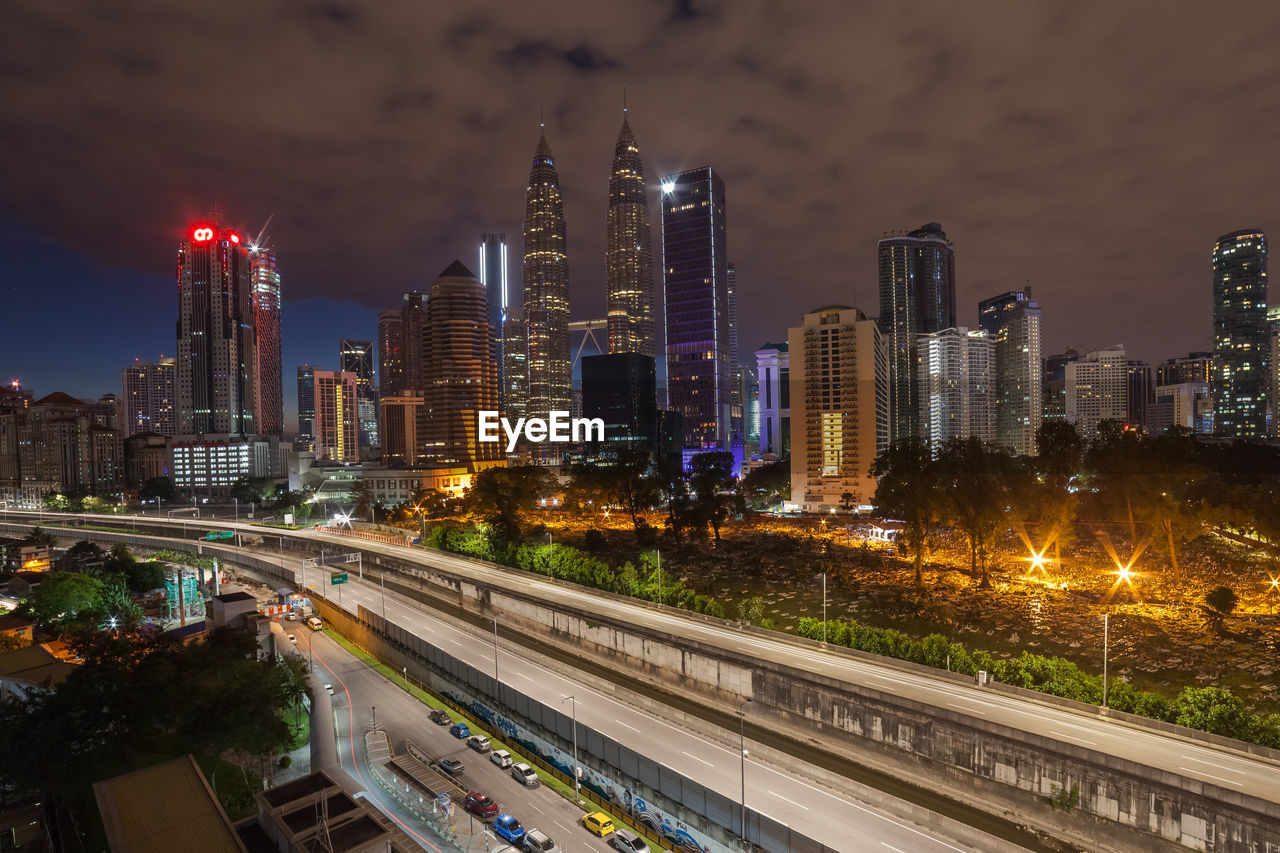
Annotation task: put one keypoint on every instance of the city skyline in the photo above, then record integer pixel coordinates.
(1045, 214)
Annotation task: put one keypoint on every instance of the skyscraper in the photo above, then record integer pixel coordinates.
(357, 357)
(1141, 390)
(629, 251)
(268, 366)
(493, 275)
(1012, 320)
(620, 389)
(390, 354)
(216, 367)
(957, 385)
(515, 391)
(838, 413)
(336, 430)
(307, 406)
(1097, 390)
(459, 370)
(1240, 334)
(696, 283)
(917, 297)
(773, 370)
(546, 293)
(412, 316)
(1194, 367)
(1273, 373)
(148, 397)
(1054, 383)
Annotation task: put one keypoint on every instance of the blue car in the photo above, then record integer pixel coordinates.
(459, 730)
(508, 828)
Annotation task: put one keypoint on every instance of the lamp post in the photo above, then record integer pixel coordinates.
(658, 551)
(237, 504)
(1106, 637)
(577, 784)
(495, 651)
(742, 749)
(824, 608)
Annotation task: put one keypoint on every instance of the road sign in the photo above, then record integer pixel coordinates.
(219, 534)
(310, 562)
(353, 557)
(337, 578)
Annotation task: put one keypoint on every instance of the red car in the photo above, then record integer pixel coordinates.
(480, 805)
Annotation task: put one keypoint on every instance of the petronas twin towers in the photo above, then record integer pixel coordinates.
(628, 272)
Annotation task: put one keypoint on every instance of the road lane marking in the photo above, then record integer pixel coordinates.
(1211, 764)
(1211, 776)
(785, 799)
(1072, 737)
(536, 809)
(633, 728)
(696, 758)
(891, 847)
(882, 686)
(561, 825)
(966, 708)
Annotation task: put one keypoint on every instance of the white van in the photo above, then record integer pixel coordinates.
(314, 623)
(500, 757)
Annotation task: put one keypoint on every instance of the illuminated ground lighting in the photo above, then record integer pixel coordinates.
(1038, 562)
(1275, 585)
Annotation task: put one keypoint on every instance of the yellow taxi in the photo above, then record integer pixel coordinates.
(598, 824)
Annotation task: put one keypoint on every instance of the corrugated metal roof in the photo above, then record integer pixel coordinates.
(165, 807)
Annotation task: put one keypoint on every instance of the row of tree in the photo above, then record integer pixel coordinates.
(1161, 491)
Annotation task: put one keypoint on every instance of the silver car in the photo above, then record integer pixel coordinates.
(537, 841)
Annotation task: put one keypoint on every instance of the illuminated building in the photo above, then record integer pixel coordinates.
(839, 416)
(773, 371)
(493, 275)
(306, 407)
(459, 372)
(1273, 335)
(148, 397)
(399, 414)
(515, 393)
(1240, 357)
(390, 353)
(546, 294)
(1195, 367)
(1188, 405)
(621, 389)
(1141, 392)
(957, 385)
(629, 251)
(269, 364)
(696, 282)
(59, 444)
(1012, 320)
(1097, 390)
(357, 357)
(336, 426)
(917, 297)
(1054, 385)
(216, 362)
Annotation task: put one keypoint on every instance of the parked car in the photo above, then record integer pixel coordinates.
(537, 841)
(598, 824)
(500, 757)
(480, 805)
(479, 743)
(508, 828)
(460, 730)
(452, 766)
(627, 842)
(441, 717)
(293, 639)
(328, 688)
(291, 616)
(314, 623)
(525, 775)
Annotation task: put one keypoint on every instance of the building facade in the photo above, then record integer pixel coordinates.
(493, 275)
(840, 420)
(546, 294)
(357, 357)
(390, 353)
(1273, 336)
(621, 390)
(629, 251)
(773, 372)
(957, 386)
(148, 397)
(1054, 386)
(62, 445)
(1012, 320)
(1240, 344)
(460, 373)
(1141, 391)
(1097, 390)
(1194, 367)
(917, 297)
(696, 283)
(337, 431)
(306, 407)
(216, 368)
(264, 276)
(399, 414)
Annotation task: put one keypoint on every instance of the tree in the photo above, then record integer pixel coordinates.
(670, 482)
(714, 487)
(1214, 710)
(116, 602)
(502, 495)
(157, 487)
(908, 487)
(768, 484)
(1115, 464)
(1058, 463)
(1171, 489)
(975, 481)
(253, 489)
(848, 503)
(63, 595)
(1222, 599)
(363, 505)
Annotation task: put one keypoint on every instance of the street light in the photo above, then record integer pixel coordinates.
(237, 503)
(824, 608)
(742, 748)
(577, 785)
(495, 651)
(1106, 637)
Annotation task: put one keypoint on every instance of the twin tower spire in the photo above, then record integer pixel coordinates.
(628, 271)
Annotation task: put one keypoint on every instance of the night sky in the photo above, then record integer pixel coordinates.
(1094, 151)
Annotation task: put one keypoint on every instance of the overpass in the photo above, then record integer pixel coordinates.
(1142, 785)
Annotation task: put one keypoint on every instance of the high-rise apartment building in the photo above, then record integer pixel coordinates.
(307, 406)
(357, 357)
(390, 353)
(1097, 390)
(957, 385)
(1240, 341)
(696, 283)
(629, 251)
(148, 397)
(493, 275)
(1054, 384)
(546, 294)
(1195, 367)
(773, 372)
(1273, 335)
(216, 369)
(1012, 320)
(515, 391)
(1141, 391)
(840, 423)
(337, 432)
(1186, 405)
(399, 414)
(459, 371)
(264, 275)
(917, 297)
(59, 444)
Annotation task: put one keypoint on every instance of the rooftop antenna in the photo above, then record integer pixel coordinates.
(257, 241)
(624, 100)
